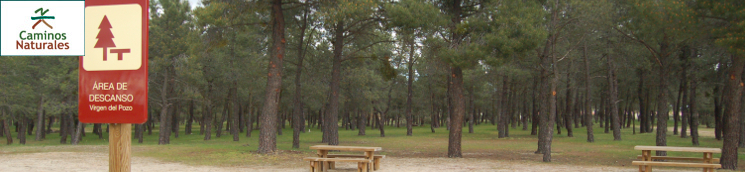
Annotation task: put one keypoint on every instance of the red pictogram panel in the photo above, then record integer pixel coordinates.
(113, 74)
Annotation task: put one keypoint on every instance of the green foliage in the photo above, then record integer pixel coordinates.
(660, 25)
(513, 27)
(729, 16)
(414, 14)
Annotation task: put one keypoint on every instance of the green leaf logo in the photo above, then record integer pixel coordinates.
(42, 18)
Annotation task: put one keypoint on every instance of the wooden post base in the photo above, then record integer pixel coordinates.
(120, 140)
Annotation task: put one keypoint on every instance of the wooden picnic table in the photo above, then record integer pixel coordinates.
(647, 158)
(323, 152)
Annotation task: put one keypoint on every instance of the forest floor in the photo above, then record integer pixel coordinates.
(94, 162)
(424, 151)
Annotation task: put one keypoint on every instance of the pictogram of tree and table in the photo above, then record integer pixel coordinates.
(106, 39)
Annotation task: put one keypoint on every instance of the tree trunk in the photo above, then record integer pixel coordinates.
(588, 97)
(203, 121)
(62, 125)
(544, 105)
(331, 130)
(49, 124)
(249, 122)
(361, 121)
(29, 126)
(456, 123)
(297, 112)
(606, 111)
(234, 122)
(552, 102)
(163, 134)
(525, 113)
(568, 111)
(187, 128)
(502, 119)
(78, 133)
(613, 101)
(686, 112)
(548, 60)
(718, 112)
(662, 103)
(139, 132)
(718, 123)
(6, 130)
(534, 116)
(174, 121)
(150, 125)
(677, 107)
(381, 123)
(694, 114)
(642, 104)
(40, 119)
(732, 124)
(23, 125)
(410, 88)
(223, 117)
(163, 130)
(267, 136)
(63, 128)
(207, 123)
(509, 110)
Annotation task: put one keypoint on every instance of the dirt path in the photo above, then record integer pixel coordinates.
(702, 131)
(95, 162)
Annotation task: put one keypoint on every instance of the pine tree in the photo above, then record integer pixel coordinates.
(105, 37)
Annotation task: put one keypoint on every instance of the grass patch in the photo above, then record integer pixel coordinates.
(482, 144)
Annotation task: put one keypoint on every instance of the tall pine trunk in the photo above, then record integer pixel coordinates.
(732, 124)
(588, 97)
(267, 136)
(23, 126)
(163, 132)
(64, 127)
(235, 108)
(410, 88)
(297, 112)
(208, 115)
(662, 103)
(534, 117)
(331, 118)
(693, 114)
(613, 101)
(568, 110)
(78, 133)
(459, 109)
(40, 119)
(187, 128)
(718, 123)
(6, 130)
(503, 119)
(361, 121)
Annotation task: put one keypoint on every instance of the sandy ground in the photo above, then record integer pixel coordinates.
(95, 162)
(702, 131)
(98, 161)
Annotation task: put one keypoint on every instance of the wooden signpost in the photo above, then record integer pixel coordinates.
(113, 73)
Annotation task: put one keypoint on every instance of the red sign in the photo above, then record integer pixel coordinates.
(113, 73)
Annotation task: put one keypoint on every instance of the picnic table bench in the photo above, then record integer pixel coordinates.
(316, 164)
(324, 161)
(707, 161)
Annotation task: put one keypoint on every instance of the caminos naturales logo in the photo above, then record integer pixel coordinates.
(37, 40)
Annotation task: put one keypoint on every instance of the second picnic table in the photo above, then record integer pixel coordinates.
(647, 159)
(323, 151)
